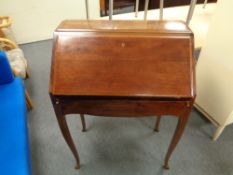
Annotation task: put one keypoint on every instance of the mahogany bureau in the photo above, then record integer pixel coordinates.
(122, 69)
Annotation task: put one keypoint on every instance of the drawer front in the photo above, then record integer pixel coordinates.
(124, 107)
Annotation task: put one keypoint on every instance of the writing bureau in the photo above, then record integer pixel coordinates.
(122, 69)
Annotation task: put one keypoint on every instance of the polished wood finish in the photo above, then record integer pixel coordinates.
(124, 26)
(113, 75)
(122, 69)
(65, 131)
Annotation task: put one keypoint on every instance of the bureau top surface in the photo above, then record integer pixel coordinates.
(124, 26)
(123, 59)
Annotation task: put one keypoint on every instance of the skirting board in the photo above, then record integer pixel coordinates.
(219, 127)
(206, 114)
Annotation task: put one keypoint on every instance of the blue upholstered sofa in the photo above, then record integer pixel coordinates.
(14, 146)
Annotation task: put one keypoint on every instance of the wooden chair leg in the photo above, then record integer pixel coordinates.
(157, 124)
(27, 74)
(28, 100)
(27, 103)
(83, 122)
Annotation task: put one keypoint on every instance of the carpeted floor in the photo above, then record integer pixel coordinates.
(117, 146)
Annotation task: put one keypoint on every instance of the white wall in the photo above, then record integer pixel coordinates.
(35, 20)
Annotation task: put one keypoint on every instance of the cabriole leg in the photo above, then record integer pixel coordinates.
(176, 137)
(157, 123)
(66, 134)
(83, 122)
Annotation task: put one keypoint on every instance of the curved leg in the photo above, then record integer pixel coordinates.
(157, 124)
(176, 137)
(83, 122)
(66, 134)
(218, 132)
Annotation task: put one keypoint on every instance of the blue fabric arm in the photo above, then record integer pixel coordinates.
(6, 75)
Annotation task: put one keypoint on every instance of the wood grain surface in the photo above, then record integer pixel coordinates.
(127, 63)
